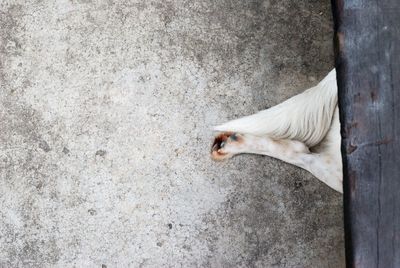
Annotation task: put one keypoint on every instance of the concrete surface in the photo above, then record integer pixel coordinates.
(105, 112)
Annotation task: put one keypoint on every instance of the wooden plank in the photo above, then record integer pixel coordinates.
(367, 43)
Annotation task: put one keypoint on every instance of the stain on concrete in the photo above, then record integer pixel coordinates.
(44, 146)
(101, 152)
(65, 150)
(138, 85)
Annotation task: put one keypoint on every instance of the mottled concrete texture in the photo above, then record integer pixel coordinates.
(106, 110)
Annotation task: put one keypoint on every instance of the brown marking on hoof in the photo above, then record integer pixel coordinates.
(216, 153)
(219, 142)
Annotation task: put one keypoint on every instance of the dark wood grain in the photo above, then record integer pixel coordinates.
(367, 43)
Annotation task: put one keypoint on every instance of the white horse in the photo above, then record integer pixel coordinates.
(303, 130)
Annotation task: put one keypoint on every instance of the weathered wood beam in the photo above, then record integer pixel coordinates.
(367, 43)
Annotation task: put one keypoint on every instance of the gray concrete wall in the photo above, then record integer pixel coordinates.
(106, 110)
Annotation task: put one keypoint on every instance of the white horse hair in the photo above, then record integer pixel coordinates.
(303, 130)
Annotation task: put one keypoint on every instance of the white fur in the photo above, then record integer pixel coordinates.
(303, 130)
